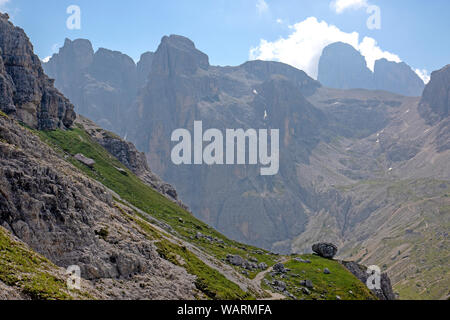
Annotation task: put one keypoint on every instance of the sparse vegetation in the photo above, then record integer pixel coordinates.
(340, 282)
(30, 273)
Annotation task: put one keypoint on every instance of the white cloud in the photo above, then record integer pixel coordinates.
(47, 59)
(3, 3)
(280, 21)
(342, 5)
(262, 6)
(423, 74)
(372, 52)
(303, 47)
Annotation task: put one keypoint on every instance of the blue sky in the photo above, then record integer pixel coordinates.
(414, 31)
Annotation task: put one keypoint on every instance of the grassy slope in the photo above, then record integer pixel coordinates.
(340, 282)
(30, 273)
(133, 190)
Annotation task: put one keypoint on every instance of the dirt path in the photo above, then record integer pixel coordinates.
(260, 277)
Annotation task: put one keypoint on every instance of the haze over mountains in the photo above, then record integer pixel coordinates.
(342, 67)
(368, 170)
(73, 195)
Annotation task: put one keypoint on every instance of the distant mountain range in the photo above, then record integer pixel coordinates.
(342, 67)
(368, 170)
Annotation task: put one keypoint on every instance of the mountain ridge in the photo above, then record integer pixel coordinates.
(341, 66)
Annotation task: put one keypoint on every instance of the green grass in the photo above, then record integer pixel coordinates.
(133, 190)
(326, 286)
(3, 115)
(212, 283)
(29, 272)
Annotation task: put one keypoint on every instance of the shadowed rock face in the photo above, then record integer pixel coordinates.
(143, 68)
(102, 85)
(26, 92)
(398, 78)
(436, 96)
(181, 88)
(342, 67)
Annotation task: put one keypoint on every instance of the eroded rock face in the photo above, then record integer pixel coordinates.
(435, 101)
(102, 85)
(26, 92)
(72, 220)
(325, 250)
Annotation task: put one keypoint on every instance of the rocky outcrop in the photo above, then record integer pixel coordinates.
(384, 293)
(177, 55)
(129, 156)
(325, 250)
(397, 77)
(72, 220)
(27, 94)
(342, 67)
(435, 102)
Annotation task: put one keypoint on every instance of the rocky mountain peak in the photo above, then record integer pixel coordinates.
(342, 66)
(144, 66)
(178, 55)
(115, 68)
(397, 77)
(26, 92)
(436, 96)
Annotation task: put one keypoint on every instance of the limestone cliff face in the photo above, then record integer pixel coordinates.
(26, 92)
(342, 67)
(398, 78)
(102, 85)
(143, 68)
(435, 101)
(183, 87)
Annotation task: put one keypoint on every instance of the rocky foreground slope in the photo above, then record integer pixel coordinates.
(73, 194)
